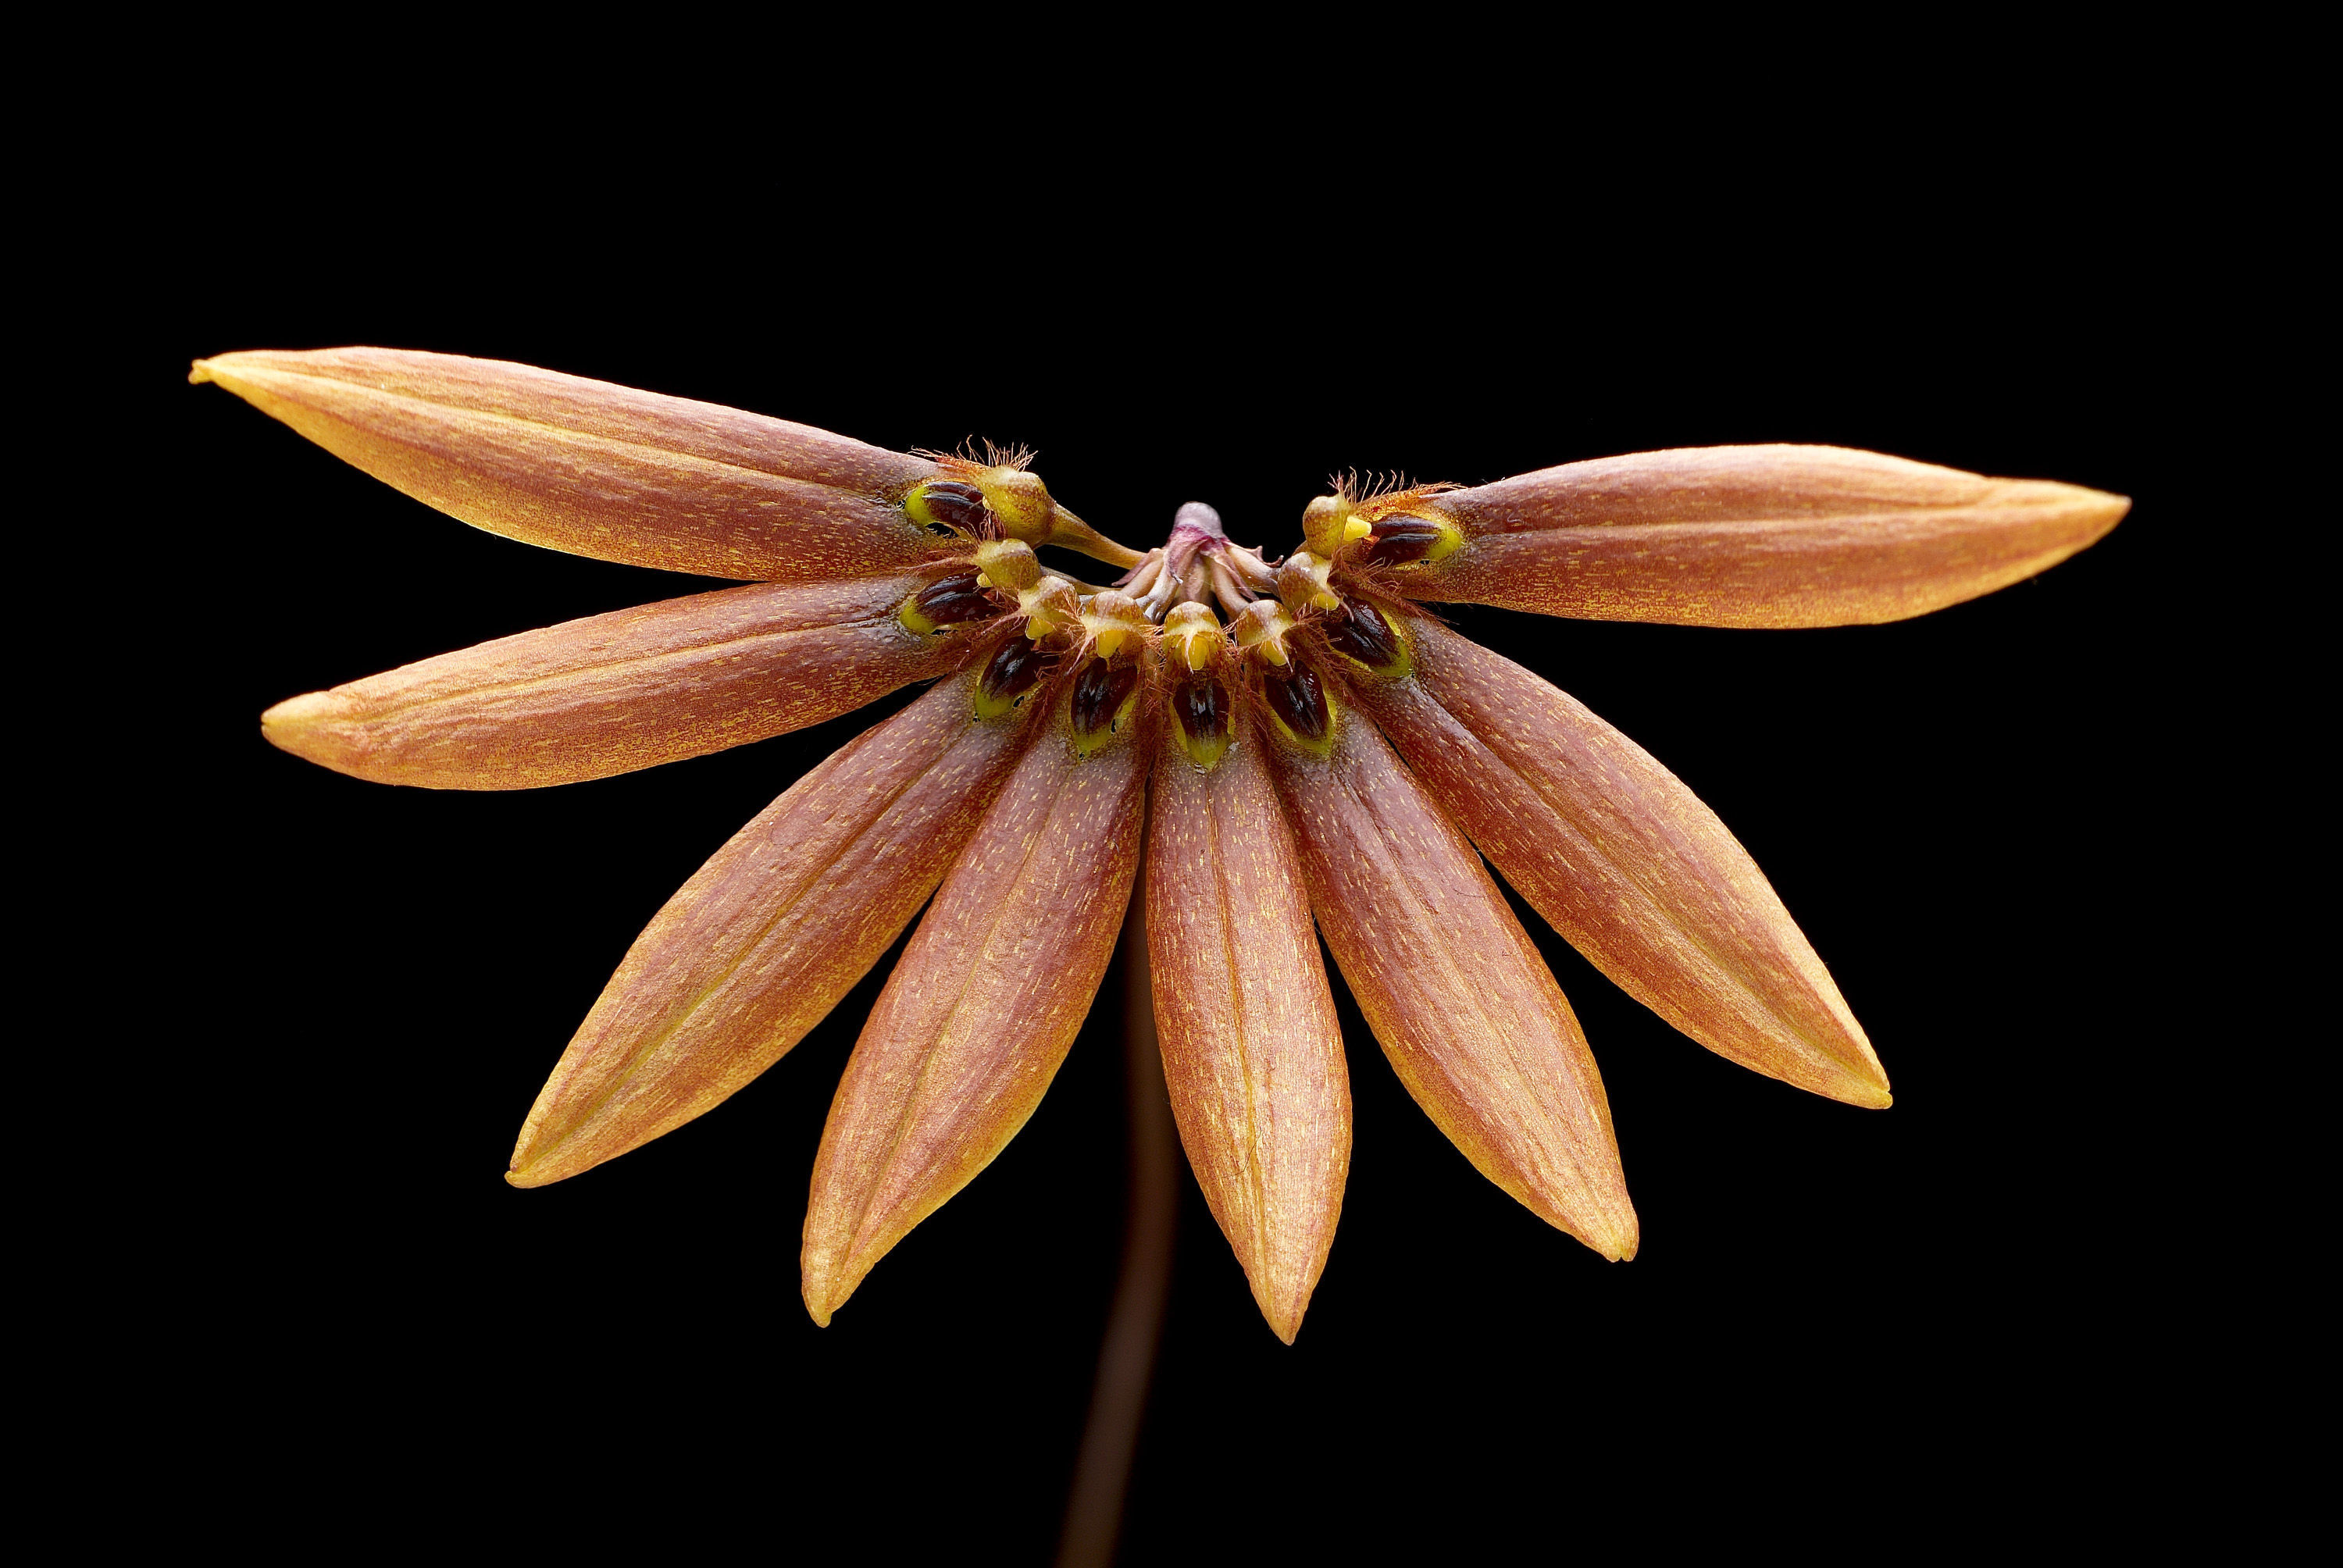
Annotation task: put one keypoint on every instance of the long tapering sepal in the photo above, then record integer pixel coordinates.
(633, 688)
(761, 943)
(1457, 994)
(1624, 861)
(1749, 537)
(597, 469)
(1253, 1053)
(979, 1012)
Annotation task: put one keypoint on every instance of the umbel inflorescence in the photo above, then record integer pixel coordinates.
(1278, 739)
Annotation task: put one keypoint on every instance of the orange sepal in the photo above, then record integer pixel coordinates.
(1753, 537)
(1253, 1053)
(1455, 991)
(1624, 861)
(612, 693)
(761, 944)
(980, 1010)
(595, 469)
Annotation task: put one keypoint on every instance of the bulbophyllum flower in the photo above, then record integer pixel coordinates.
(1276, 740)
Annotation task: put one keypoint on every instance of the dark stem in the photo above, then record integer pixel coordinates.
(1135, 1325)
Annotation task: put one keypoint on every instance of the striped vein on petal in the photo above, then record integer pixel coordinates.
(633, 688)
(1252, 1051)
(1458, 996)
(979, 1013)
(595, 469)
(1624, 861)
(758, 946)
(1752, 537)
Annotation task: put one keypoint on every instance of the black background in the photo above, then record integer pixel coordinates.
(1838, 1317)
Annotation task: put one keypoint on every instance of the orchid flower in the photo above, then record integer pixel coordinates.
(1279, 743)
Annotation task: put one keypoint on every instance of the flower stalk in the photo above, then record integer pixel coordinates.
(1142, 1286)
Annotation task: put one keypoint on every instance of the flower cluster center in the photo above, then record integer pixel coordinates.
(1202, 625)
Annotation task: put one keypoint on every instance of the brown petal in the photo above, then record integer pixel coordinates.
(1753, 536)
(616, 692)
(1251, 1051)
(1451, 985)
(758, 946)
(595, 469)
(1624, 861)
(980, 1010)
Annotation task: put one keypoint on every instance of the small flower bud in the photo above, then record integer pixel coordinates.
(1050, 606)
(1115, 622)
(1261, 630)
(1009, 564)
(1020, 500)
(1329, 522)
(1193, 637)
(1302, 583)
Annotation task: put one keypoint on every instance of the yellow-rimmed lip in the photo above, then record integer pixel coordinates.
(1316, 746)
(1207, 750)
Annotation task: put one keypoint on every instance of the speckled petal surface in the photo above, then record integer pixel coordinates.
(1753, 536)
(1463, 1005)
(613, 693)
(593, 469)
(980, 1010)
(779, 924)
(1624, 861)
(1253, 1053)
